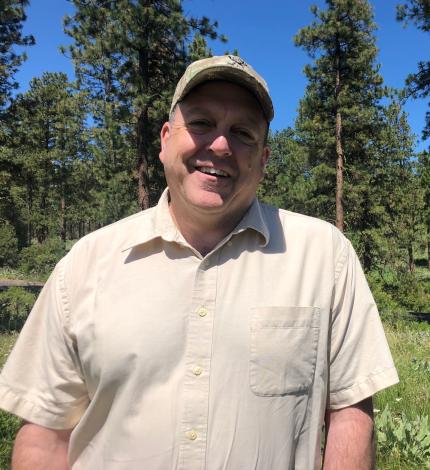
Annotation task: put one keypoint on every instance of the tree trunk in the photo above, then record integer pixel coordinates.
(63, 218)
(142, 160)
(142, 130)
(411, 262)
(339, 162)
(30, 211)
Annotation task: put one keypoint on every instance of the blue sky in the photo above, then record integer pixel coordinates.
(263, 33)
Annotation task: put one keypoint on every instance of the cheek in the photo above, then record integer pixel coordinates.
(253, 163)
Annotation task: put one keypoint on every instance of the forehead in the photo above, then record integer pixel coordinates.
(226, 96)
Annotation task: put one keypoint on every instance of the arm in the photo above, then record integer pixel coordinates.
(40, 448)
(349, 438)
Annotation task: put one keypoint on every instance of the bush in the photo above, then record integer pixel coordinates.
(399, 292)
(383, 297)
(405, 440)
(9, 426)
(15, 305)
(41, 258)
(412, 294)
(8, 244)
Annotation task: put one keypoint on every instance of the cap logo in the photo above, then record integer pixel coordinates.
(237, 61)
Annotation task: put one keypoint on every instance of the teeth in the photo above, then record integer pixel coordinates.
(212, 171)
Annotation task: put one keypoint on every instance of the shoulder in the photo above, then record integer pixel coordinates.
(118, 234)
(302, 228)
(107, 245)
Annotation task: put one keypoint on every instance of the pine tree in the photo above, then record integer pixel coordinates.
(198, 48)
(396, 188)
(285, 183)
(12, 17)
(339, 114)
(418, 83)
(424, 178)
(48, 138)
(134, 51)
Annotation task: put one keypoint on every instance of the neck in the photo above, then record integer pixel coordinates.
(203, 233)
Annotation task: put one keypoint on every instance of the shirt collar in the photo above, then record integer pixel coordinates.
(161, 225)
(155, 222)
(254, 219)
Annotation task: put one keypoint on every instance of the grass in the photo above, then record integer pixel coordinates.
(9, 424)
(410, 345)
(11, 273)
(408, 401)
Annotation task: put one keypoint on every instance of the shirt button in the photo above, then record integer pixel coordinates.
(204, 263)
(192, 435)
(203, 311)
(197, 370)
(229, 243)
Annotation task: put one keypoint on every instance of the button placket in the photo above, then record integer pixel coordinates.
(197, 359)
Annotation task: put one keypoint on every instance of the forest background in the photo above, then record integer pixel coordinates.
(81, 151)
(78, 153)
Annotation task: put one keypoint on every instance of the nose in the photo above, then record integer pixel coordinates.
(220, 146)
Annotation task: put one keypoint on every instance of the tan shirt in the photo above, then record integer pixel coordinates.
(165, 360)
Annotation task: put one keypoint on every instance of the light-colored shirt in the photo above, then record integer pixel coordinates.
(163, 359)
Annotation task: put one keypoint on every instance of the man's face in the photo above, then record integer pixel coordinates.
(213, 151)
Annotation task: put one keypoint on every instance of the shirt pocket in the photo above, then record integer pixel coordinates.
(284, 345)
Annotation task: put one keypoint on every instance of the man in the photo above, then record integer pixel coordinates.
(210, 332)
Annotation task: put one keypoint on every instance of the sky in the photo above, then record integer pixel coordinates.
(263, 34)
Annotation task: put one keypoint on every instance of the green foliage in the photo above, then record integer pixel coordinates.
(129, 56)
(383, 295)
(409, 343)
(412, 293)
(46, 147)
(12, 17)
(9, 426)
(418, 83)
(404, 439)
(417, 11)
(421, 365)
(41, 258)
(15, 305)
(285, 183)
(8, 245)
(339, 114)
(399, 291)
(198, 48)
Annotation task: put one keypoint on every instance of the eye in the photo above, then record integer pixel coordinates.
(199, 125)
(245, 135)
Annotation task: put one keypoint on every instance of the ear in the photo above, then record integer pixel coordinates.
(264, 159)
(164, 136)
(266, 155)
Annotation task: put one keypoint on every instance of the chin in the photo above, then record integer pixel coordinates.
(211, 202)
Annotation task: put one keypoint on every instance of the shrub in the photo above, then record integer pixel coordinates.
(15, 305)
(8, 244)
(383, 297)
(41, 258)
(403, 439)
(398, 292)
(9, 426)
(412, 294)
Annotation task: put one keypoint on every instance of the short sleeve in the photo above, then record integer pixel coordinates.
(360, 359)
(41, 381)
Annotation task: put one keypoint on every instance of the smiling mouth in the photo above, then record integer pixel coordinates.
(212, 171)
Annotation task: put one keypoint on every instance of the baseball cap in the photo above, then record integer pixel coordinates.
(226, 67)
